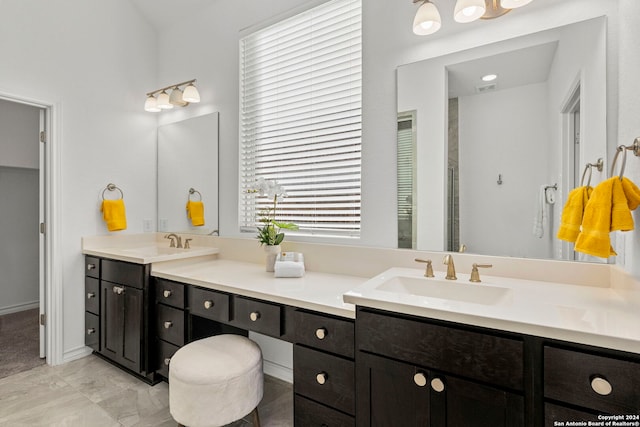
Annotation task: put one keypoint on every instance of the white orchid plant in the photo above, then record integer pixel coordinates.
(271, 233)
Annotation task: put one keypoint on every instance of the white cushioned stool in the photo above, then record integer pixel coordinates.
(215, 381)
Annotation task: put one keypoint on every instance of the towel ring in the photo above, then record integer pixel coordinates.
(112, 187)
(586, 168)
(192, 191)
(620, 149)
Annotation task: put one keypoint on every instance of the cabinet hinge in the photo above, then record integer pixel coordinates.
(43, 319)
(43, 228)
(43, 136)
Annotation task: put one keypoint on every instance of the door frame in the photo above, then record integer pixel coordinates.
(52, 244)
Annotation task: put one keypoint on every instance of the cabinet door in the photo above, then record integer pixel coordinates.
(132, 328)
(390, 393)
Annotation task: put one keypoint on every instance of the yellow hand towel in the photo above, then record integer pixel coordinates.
(572, 213)
(114, 214)
(621, 219)
(195, 212)
(632, 193)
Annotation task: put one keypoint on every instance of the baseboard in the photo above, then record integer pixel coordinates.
(278, 371)
(76, 353)
(19, 307)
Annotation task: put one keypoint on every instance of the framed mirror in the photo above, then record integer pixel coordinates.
(188, 160)
(484, 165)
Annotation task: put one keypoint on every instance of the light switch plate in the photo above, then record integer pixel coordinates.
(147, 225)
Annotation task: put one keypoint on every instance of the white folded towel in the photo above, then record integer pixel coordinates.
(289, 264)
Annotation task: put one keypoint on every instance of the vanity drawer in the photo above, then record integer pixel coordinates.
(92, 266)
(170, 324)
(325, 333)
(481, 356)
(311, 414)
(324, 378)
(91, 295)
(209, 304)
(123, 273)
(573, 377)
(554, 413)
(165, 353)
(169, 293)
(92, 331)
(257, 316)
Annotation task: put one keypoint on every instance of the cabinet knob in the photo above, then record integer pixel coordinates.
(167, 360)
(208, 304)
(91, 267)
(118, 290)
(168, 324)
(255, 315)
(601, 386)
(322, 378)
(91, 331)
(321, 333)
(91, 295)
(437, 385)
(420, 379)
(166, 293)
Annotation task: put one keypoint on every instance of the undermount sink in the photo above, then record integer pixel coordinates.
(476, 293)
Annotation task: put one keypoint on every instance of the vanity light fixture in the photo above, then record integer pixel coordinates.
(178, 97)
(428, 20)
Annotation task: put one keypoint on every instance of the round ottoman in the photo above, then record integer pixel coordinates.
(215, 381)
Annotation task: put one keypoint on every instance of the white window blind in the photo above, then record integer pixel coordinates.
(300, 118)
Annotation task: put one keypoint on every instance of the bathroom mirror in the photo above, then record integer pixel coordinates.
(474, 156)
(188, 159)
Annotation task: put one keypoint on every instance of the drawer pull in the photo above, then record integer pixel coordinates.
(420, 379)
(601, 386)
(166, 293)
(321, 333)
(168, 324)
(91, 267)
(322, 378)
(437, 385)
(167, 360)
(254, 316)
(91, 331)
(118, 290)
(208, 304)
(91, 295)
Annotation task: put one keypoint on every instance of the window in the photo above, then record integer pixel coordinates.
(300, 118)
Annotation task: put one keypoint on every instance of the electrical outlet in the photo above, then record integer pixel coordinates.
(164, 225)
(147, 225)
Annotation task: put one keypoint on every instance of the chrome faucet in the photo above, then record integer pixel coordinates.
(451, 269)
(174, 238)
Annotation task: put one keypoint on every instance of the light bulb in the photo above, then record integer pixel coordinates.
(469, 10)
(151, 105)
(513, 4)
(191, 94)
(427, 20)
(489, 77)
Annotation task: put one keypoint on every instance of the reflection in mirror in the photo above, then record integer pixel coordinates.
(188, 159)
(484, 151)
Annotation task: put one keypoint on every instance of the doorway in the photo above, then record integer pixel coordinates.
(572, 164)
(23, 184)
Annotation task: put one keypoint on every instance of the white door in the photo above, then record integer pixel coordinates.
(41, 220)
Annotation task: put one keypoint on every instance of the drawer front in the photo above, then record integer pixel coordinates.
(92, 331)
(485, 357)
(324, 378)
(573, 377)
(92, 266)
(92, 295)
(169, 293)
(311, 414)
(165, 353)
(325, 333)
(170, 324)
(123, 273)
(557, 415)
(209, 304)
(257, 316)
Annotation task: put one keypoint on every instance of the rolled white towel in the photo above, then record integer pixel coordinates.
(288, 269)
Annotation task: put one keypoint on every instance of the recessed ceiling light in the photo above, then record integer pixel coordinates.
(489, 77)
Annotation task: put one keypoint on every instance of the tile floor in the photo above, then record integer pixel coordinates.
(91, 392)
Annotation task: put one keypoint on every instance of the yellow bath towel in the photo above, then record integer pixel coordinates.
(195, 212)
(632, 193)
(114, 214)
(572, 213)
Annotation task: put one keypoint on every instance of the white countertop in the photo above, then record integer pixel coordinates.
(315, 291)
(599, 316)
(150, 253)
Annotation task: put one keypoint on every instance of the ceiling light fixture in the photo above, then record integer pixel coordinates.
(428, 20)
(178, 97)
(489, 77)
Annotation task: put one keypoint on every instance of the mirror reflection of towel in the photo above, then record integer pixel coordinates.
(572, 213)
(114, 214)
(195, 212)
